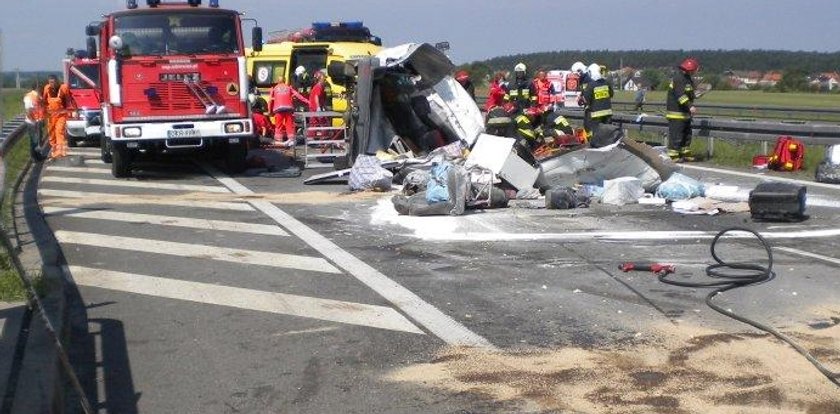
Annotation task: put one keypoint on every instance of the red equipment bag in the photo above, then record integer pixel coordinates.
(788, 154)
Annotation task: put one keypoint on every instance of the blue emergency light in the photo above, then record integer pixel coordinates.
(321, 25)
(131, 4)
(352, 25)
(214, 4)
(153, 3)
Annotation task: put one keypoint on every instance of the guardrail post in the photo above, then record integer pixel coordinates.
(763, 147)
(710, 148)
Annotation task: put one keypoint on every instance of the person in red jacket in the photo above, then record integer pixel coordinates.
(282, 106)
(497, 92)
(320, 99)
(543, 91)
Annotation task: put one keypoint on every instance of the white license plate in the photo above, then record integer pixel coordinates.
(183, 133)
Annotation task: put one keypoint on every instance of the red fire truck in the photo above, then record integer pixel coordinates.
(82, 75)
(173, 80)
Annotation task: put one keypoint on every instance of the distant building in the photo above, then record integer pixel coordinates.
(827, 81)
(770, 79)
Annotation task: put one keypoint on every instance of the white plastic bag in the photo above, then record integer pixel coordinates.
(680, 187)
(622, 190)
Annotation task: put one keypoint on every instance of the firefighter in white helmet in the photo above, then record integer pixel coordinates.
(596, 98)
(520, 91)
(302, 83)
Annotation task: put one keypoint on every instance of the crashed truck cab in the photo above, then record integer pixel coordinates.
(173, 80)
(406, 92)
(81, 73)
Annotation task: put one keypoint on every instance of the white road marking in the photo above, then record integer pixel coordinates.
(84, 151)
(817, 201)
(136, 218)
(217, 205)
(96, 161)
(381, 317)
(79, 170)
(763, 177)
(136, 184)
(638, 235)
(198, 251)
(808, 254)
(430, 317)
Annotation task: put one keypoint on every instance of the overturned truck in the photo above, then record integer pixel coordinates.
(405, 101)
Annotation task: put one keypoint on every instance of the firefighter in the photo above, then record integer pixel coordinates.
(497, 92)
(579, 69)
(596, 98)
(59, 104)
(302, 82)
(262, 125)
(34, 108)
(463, 77)
(283, 107)
(555, 126)
(526, 130)
(680, 108)
(500, 121)
(522, 89)
(543, 91)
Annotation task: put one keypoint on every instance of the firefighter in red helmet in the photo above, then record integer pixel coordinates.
(680, 109)
(463, 77)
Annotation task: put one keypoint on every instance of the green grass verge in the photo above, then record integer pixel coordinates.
(11, 287)
(11, 104)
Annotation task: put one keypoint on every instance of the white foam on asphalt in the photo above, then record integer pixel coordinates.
(381, 317)
(135, 218)
(216, 205)
(428, 316)
(136, 184)
(198, 251)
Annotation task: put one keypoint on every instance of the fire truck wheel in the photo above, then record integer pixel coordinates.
(105, 149)
(120, 161)
(236, 157)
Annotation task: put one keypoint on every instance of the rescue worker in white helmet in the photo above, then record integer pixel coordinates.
(596, 98)
(579, 69)
(520, 90)
(302, 83)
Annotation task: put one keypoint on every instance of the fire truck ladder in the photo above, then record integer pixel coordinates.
(322, 140)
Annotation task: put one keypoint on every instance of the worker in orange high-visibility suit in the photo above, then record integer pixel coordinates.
(283, 108)
(59, 104)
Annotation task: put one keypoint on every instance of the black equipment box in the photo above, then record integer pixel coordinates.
(775, 201)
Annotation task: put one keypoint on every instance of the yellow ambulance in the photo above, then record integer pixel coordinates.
(314, 49)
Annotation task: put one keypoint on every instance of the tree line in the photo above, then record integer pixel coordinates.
(711, 61)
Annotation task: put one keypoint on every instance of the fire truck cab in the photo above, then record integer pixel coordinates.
(81, 73)
(173, 80)
(314, 48)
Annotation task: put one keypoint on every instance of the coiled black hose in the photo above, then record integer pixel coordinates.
(736, 275)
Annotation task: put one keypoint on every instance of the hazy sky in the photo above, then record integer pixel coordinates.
(37, 32)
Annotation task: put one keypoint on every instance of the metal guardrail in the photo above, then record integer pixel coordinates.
(809, 133)
(11, 134)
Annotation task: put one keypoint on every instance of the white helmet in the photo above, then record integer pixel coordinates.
(578, 67)
(520, 67)
(594, 71)
(300, 70)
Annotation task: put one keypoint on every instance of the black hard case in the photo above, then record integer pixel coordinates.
(775, 201)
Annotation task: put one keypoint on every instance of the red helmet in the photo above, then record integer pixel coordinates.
(690, 65)
(462, 76)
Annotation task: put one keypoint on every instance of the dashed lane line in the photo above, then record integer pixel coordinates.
(819, 257)
(352, 313)
(105, 197)
(85, 170)
(194, 223)
(438, 323)
(198, 251)
(136, 184)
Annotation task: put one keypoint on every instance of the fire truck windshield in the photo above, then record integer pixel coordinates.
(83, 77)
(177, 33)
